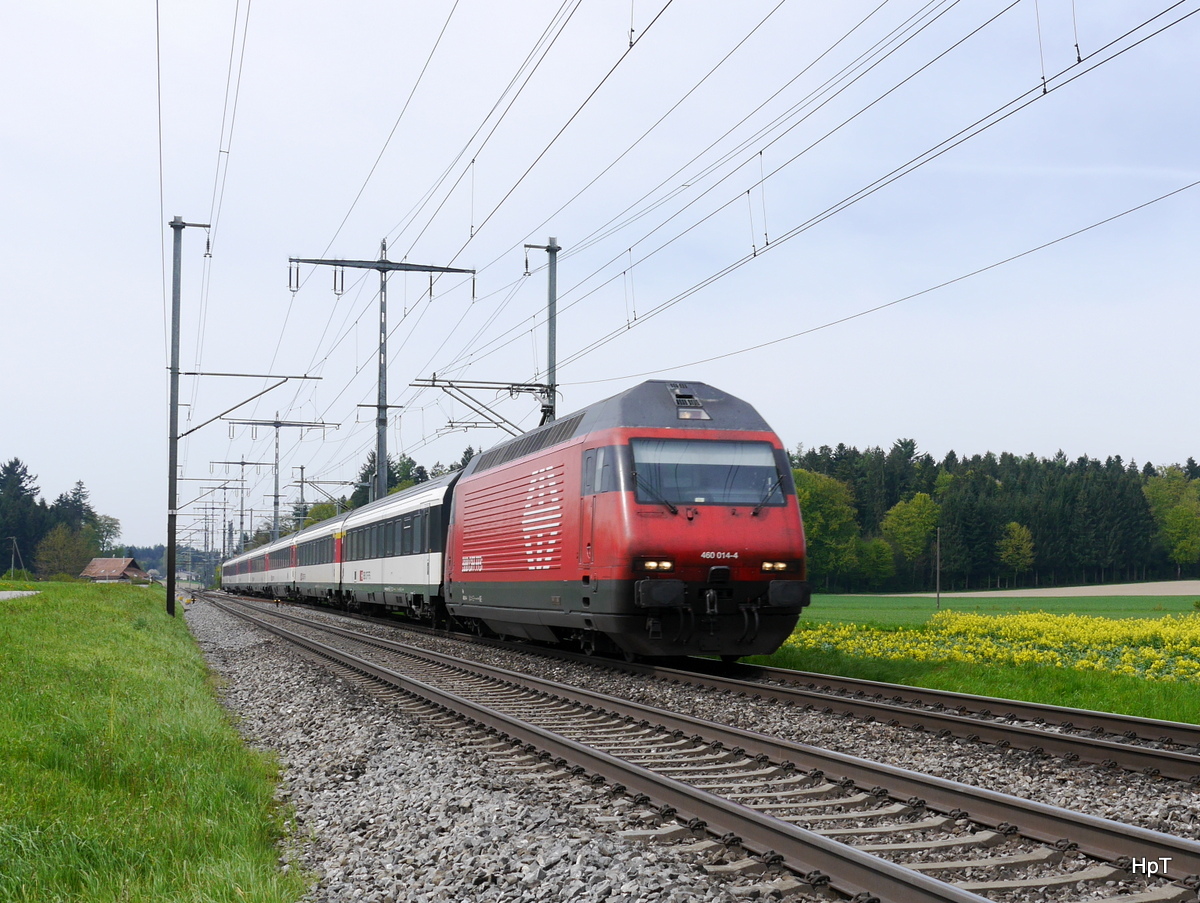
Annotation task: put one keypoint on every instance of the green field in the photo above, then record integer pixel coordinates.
(902, 619)
(121, 777)
(913, 611)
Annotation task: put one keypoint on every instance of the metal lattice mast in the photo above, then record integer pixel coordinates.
(384, 266)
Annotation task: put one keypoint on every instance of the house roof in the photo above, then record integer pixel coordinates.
(112, 569)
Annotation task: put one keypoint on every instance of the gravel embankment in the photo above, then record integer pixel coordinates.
(389, 810)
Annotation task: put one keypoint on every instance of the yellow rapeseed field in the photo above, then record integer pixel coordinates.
(1165, 648)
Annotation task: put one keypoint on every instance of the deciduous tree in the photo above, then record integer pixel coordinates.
(1175, 505)
(1181, 533)
(876, 563)
(107, 531)
(1015, 548)
(64, 552)
(909, 526)
(830, 525)
(319, 512)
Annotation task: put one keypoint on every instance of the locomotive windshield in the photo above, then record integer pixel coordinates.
(706, 472)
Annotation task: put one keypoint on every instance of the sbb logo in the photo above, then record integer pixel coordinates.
(472, 563)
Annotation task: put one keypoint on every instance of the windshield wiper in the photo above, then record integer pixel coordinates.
(766, 498)
(650, 490)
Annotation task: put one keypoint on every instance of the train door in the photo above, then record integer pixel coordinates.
(592, 467)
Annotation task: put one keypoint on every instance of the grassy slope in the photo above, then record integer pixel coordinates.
(1055, 686)
(121, 778)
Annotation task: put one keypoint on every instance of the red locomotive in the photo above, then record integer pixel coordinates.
(661, 521)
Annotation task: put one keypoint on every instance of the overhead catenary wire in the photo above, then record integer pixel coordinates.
(586, 241)
(1037, 17)
(162, 194)
(220, 174)
(529, 66)
(557, 135)
(395, 126)
(897, 301)
(871, 189)
(366, 181)
(475, 231)
(624, 218)
(981, 125)
(644, 134)
(1058, 81)
(511, 334)
(229, 113)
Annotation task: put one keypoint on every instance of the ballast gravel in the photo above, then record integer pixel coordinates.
(388, 809)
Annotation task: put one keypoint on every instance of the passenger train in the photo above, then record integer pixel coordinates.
(662, 521)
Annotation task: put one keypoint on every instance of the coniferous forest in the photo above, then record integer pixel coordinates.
(873, 519)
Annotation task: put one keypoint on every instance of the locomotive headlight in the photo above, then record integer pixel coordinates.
(655, 564)
(772, 566)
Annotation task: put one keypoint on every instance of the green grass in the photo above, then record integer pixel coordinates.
(912, 611)
(121, 778)
(1055, 686)
(22, 585)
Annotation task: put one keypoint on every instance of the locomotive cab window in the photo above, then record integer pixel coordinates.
(604, 469)
(707, 472)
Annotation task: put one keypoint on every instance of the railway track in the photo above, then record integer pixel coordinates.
(1155, 748)
(861, 827)
(1146, 746)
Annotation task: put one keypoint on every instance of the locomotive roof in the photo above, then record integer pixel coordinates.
(660, 403)
(656, 403)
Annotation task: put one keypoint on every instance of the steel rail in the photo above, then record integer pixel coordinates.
(1111, 722)
(1095, 836)
(805, 852)
(1169, 763)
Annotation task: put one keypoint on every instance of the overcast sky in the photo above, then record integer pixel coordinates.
(697, 181)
